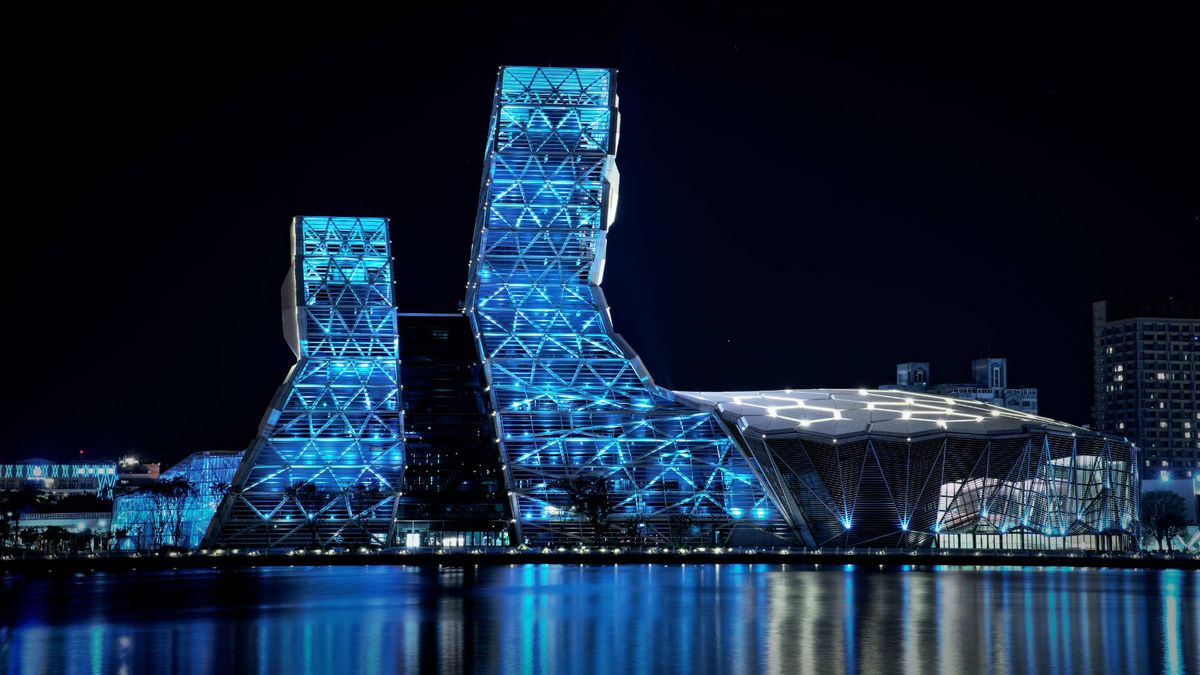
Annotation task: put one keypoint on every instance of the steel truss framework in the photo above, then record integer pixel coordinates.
(149, 523)
(906, 492)
(575, 406)
(328, 460)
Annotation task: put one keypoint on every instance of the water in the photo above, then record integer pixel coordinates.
(604, 619)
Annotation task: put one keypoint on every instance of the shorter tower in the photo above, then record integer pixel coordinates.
(328, 460)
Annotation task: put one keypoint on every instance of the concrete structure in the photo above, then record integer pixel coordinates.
(1147, 381)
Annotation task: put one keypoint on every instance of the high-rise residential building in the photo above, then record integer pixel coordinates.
(1147, 382)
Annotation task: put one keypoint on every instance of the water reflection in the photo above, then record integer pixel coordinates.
(579, 619)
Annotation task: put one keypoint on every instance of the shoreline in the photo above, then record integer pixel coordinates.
(122, 563)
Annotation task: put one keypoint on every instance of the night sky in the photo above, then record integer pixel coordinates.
(804, 201)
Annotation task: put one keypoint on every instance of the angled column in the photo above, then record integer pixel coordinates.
(593, 450)
(328, 459)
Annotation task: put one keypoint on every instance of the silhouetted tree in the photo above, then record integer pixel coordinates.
(1164, 514)
(30, 537)
(681, 527)
(589, 496)
(311, 499)
(171, 499)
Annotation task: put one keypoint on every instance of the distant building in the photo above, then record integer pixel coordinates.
(1147, 383)
(55, 478)
(134, 473)
(990, 385)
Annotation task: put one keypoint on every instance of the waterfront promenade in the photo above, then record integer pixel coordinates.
(116, 562)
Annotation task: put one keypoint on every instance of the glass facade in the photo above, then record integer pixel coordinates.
(149, 518)
(453, 493)
(905, 469)
(593, 450)
(329, 458)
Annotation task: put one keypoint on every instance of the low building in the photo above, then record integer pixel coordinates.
(132, 472)
(56, 478)
(96, 521)
(989, 385)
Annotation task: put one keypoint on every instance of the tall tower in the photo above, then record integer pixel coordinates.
(593, 450)
(328, 460)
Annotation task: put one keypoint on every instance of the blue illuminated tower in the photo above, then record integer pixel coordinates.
(593, 450)
(328, 460)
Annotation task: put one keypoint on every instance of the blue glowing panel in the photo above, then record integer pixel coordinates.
(328, 460)
(147, 520)
(577, 413)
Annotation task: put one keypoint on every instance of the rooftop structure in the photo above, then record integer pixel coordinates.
(989, 384)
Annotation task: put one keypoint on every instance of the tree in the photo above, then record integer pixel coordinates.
(119, 536)
(30, 537)
(589, 495)
(53, 538)
(1164, 514)
(681, 527)
(311, 501)
(172, 499)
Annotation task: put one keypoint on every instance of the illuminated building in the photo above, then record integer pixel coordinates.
(56, 478)
(150, 517)
(889, 468)
(593, 449)
(534, 411)
(328, 460)
(580, 421)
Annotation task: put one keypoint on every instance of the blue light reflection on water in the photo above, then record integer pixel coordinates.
(618, 618)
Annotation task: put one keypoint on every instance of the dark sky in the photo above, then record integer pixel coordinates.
(805, 201)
